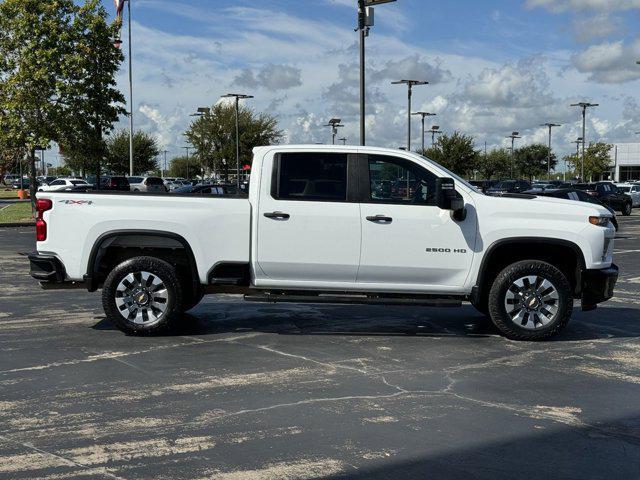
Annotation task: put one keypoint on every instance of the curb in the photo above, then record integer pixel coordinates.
(22, 224)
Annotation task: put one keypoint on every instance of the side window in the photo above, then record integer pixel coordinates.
(57, 182)
(310, 176)
(399, 181)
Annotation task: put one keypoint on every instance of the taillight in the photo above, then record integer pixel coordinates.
(42, 205)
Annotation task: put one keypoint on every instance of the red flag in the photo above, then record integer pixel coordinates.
(119, 7)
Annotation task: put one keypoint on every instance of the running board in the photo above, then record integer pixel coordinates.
(352, 300)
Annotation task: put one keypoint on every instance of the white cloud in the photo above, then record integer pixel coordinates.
(610, 62)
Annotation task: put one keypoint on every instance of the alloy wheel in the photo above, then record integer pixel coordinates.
(141, 298)
(532, 302)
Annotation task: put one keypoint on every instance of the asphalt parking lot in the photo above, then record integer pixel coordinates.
(252, 391)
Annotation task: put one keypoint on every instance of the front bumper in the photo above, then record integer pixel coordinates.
(598, 285)
(46, 268)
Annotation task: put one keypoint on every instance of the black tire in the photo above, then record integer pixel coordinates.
(498, 299)
(159, 269)
(627, 208)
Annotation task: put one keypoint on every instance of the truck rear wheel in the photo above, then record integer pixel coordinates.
(530, 300)
(142, 296)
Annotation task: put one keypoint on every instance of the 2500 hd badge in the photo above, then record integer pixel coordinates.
(446, 250)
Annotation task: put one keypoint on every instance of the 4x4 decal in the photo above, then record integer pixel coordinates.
(77, 202)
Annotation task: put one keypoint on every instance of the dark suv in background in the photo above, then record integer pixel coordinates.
(608, 194)
(509, 186)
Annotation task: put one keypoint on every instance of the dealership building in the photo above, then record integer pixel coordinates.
(625, 162)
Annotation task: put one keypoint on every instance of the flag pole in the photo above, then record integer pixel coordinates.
(130, 97)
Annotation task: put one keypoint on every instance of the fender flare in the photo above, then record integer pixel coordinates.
(105, 240)
(477, 290)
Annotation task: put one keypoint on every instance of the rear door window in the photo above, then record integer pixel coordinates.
(313, 176)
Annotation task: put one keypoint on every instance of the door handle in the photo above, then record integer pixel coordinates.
(278, 215)
(380, 219)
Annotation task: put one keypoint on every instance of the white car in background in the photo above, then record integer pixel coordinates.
(147, 184)
(631, 189)
(62, 183)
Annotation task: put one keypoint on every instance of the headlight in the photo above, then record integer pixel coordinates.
(600, 221)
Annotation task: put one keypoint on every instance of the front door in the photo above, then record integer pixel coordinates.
(406, 239)
(308, 230)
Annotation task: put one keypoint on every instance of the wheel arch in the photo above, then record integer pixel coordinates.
(152, 238)
(502, 253)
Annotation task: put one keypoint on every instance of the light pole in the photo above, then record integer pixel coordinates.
(366, 20)
(165, 162)
(513, 137)
(435, 130)
(334, 123)
(343, 140)
(424, 115)
(410, 84)
(584, 106)
(550, 126)
(187, 149)
(237, 97)
(578, 142)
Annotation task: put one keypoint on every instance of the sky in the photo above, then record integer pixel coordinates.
(494, 67)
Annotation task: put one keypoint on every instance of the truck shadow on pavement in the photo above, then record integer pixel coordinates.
(605, 323)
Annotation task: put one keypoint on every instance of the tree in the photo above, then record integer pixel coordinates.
(214, 136)
(57, 69)
(597, 160)
(145, 149)
(33, 48)
(496, 163)
(93, 103)
(185, 167)
(531, 160)
(455, 152)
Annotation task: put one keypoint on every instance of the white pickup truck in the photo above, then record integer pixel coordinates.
(333, 225)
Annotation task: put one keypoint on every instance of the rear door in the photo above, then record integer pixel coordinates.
(308, 222)
(406, 238)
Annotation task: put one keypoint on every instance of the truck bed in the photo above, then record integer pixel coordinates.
(206, 223)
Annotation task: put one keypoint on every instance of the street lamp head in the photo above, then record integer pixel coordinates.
(424, 114)
(410, 82)
(585, 104)
(551, 125)
(373, 3)
(204, 110)
(240, 96)
(334, 122)
(435, 128)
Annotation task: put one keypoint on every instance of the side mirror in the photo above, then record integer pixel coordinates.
(448, 199)
(446, 196)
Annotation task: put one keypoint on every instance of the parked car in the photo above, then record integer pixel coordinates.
(483, 185)
(118, 184)
(147, 184)
(632, 190)
(608, 194)
(46, 180)
(578, 196)
(202, 190)
(60, 183)
(311, 231)
(9, 178)
(17, 184)
(509, 186)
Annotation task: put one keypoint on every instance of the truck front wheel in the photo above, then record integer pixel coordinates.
(142, 296)
(530, 300)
